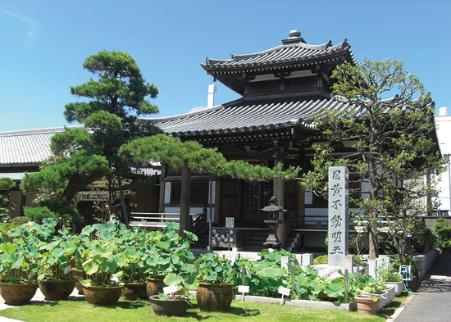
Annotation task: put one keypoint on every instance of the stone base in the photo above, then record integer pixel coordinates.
(298, 303)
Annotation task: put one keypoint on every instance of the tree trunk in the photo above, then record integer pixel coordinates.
(122, 201)
(373, 245)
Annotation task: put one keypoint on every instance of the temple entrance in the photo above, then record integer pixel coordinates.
(244, 200)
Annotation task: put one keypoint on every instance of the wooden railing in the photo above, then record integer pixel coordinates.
(152, 219)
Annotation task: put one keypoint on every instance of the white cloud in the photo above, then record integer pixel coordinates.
(30, 24)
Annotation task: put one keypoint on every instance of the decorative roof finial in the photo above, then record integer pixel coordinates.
(294, 33)
(294, 36)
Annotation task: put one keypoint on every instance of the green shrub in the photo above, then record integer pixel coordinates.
(37, 214)
(19, 220)
(443, 230)
(389, 274)
(320, 260)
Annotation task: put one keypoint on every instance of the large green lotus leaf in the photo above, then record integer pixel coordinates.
(271, 271)
(121, 260)
(211, 277)
(17, 261)
(172, 279)
(58, 252)
(111, 266)
(8, 248)
(90, 267)
(175, 258)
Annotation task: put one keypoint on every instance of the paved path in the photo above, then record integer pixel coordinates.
(432, 302)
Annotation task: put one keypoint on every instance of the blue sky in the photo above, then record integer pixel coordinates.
(43, 44)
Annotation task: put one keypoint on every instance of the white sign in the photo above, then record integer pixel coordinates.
(170, 289)
(284, 262)
(243, 289)
(229, 222)
(338, 216)
(284, 292)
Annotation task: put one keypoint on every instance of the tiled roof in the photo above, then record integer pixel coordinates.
(240, 116)
(248, 115)
(293, 51)
(26, 147)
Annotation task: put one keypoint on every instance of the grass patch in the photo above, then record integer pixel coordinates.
(395, 304)
(80, 310)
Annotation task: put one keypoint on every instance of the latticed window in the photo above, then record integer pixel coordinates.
(250, 197)
(199, 192)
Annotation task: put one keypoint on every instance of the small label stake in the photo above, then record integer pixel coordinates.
(284, 292)
(243, 289)
(170, 289)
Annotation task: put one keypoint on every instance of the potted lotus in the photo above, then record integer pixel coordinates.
(216, 276)
(369, 294)
(99, 265)
(132, 273)
(55, 278)
(175, 300)
(19, 260)
(167, 253)
(18, 273)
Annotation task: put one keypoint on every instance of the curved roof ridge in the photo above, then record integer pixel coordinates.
(190, 113)
(34, 131)
(320, 47)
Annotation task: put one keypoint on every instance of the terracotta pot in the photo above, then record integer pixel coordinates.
(78, 275)
(367, 305)
(214, 297)
(102, 295)
(134, 291)
(57, 289)
(175, 306)
(17, 294)
(154, 286)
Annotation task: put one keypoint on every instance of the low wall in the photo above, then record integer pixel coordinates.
(298, 303)
(424, 262)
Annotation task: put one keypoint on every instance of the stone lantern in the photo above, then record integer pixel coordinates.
(272, 218)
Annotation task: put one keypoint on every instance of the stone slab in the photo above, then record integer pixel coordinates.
(297, 303)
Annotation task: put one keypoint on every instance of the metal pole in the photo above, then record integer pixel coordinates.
(346, 282)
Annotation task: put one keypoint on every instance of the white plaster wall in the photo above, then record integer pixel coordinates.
(443, 128)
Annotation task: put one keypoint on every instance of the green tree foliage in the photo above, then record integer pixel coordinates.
(175, 153)
(443, 231)
(387, 138)
(109, 106)
(6, 185)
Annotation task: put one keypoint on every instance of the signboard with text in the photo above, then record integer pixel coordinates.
(338, 244)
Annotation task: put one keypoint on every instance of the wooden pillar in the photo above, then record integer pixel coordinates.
(15, 203)
(185, 198)
(217, 200)
(162, 190)
(279, 193)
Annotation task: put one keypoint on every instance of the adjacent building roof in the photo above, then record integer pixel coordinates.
(294, 52)
(248, 115)
(29, 147)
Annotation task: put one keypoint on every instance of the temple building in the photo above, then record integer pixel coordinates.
(281, 89)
